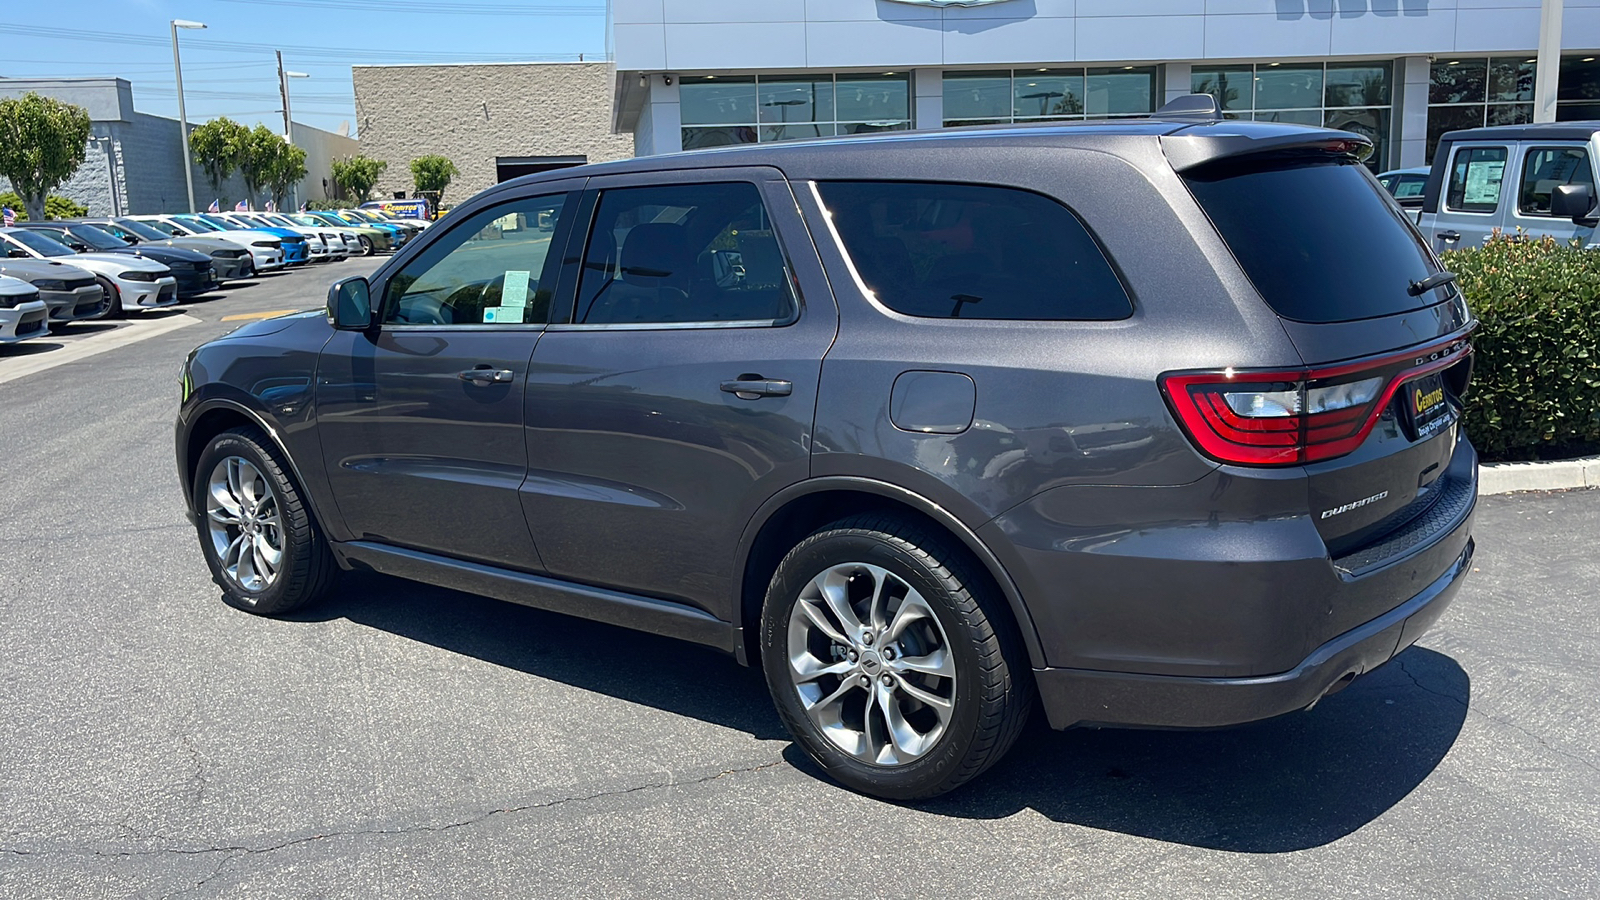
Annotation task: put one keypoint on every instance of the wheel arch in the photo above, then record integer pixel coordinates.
(801, 509)
(213, 417)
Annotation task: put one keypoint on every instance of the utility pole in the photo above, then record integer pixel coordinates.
(288, 122)
(1547, 75)
(183, 117)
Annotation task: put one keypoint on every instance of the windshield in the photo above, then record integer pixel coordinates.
(222, 224)
(39, 243)
(196, 225)
(98, 239)
(280, 221)
(338, 218)
(362, 215)
(1321, 241)
(309, 220)
(141, 230)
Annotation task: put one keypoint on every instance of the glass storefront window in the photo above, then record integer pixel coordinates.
(717, 100)
(1350, 96)
(1230, 85)
(978, 96)
(1288, 87)
(722, 110)
(1047, 94)
(1037, 95)
(1470, 92)
(1124, 91)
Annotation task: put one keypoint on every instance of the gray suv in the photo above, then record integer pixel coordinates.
(1143, 422)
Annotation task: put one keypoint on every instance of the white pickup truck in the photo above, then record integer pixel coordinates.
(1537, 178)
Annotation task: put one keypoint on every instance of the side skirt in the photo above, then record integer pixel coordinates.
(541, 592)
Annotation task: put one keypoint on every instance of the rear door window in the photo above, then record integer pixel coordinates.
(1475, 176)
(1320, 240)
(1546, 169)
(944, 251)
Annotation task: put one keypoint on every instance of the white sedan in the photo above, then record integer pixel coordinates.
(22, 314)
(140, 283)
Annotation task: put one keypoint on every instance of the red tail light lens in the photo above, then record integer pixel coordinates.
(1286, 418)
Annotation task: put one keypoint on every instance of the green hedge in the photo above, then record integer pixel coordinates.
(55, 207)
(1536, 384)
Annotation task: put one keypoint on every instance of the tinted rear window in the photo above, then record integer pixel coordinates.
(974, 252)
(1322, 242)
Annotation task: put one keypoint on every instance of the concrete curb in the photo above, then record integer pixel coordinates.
(1564, 474)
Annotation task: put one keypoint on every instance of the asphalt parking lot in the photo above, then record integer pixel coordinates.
(407, 741)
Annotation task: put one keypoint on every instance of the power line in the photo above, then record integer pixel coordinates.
(385, 54)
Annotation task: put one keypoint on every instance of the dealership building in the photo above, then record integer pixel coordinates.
(706, 73)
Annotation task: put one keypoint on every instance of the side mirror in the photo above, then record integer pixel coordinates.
(350, 304)
(1572, 201)
(17, 253)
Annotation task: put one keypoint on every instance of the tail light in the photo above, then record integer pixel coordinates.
(1290, 417)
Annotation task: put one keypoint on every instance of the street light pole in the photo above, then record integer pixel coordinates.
(288, 122)
(183, 117)
(1547, 73)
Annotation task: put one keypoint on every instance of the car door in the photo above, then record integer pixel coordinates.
(1472, 205)
(421, 416)
(1544, 167)
(678, 393)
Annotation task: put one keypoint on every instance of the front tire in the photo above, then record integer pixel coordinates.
(110, 301)
(366, 245)
(891, 658)
(259, 538)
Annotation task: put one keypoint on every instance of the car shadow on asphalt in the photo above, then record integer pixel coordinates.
(28, 348)
(656, 671)
(1291, 783)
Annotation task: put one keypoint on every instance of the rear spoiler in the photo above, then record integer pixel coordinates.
(1201, 145)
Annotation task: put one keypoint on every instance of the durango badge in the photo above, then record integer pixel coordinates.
(1337, 510)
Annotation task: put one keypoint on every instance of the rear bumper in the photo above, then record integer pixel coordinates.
(1082, 697)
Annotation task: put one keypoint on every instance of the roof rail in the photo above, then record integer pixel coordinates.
(1202, 107)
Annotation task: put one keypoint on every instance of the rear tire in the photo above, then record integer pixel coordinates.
(263, 546)
(892, 659)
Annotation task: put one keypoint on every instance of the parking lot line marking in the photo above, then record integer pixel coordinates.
(259, 315)
(93, 345)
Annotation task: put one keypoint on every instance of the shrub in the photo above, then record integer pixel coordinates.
(55, 207)
(61, 208)
(1536, 381)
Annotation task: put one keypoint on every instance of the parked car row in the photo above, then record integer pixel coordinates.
(59, 271)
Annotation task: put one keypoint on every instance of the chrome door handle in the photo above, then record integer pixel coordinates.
(756, 388)
(486, 375)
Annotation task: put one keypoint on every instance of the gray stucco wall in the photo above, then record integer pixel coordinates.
(475, 113)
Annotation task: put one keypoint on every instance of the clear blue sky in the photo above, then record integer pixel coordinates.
(229, 68)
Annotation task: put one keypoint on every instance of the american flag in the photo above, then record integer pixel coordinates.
(303, 206)
(10, 216)
(242, 206)
(214, 207)
(270, 207)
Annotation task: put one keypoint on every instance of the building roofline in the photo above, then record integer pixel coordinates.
(440, 65)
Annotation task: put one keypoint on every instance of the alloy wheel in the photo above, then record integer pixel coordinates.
(245, 523)
(871, 663)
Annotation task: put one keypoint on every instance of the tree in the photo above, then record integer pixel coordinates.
(263, 148)
(42, 142)
(432, 174)
(286, 171)
(358, 174)
(219, 147)
(58, 207)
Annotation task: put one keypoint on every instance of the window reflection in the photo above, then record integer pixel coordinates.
(720, 111)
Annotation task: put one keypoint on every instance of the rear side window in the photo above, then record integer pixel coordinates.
(1475, 176)
(973, 252)
(1320, 240)
(1547, 169)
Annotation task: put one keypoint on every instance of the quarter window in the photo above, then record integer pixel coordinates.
(691, 253)
(490, 269)
(947, 251)
(1549, 168)
(1475, 179)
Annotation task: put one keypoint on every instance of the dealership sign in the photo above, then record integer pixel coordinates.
(949, 2)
